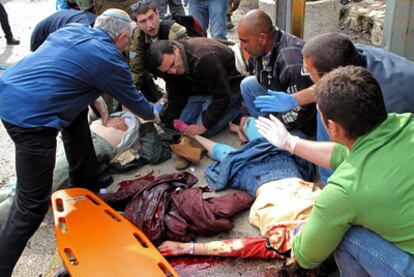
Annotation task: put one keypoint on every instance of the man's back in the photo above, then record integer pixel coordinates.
(395, 75)
(63, 77)
(56, 21)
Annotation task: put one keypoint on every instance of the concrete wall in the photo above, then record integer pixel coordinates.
(269, 6)
(320, 16)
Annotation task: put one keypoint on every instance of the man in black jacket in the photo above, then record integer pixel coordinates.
(276, 57)
(202, 81)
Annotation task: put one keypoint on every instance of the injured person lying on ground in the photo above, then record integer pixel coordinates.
(283, 198)
(116, 144)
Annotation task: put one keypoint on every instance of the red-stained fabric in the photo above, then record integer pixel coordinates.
(177, 227)
(162, 211)
(209, 216)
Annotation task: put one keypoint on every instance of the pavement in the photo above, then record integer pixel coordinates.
(40, 257)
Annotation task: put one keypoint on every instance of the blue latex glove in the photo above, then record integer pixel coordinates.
(275, 101)
(159, 108)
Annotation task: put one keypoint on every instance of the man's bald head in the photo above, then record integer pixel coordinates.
(256, 22)
(256, 33)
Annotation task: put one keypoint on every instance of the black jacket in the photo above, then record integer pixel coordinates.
(283, 73)
(211, 71)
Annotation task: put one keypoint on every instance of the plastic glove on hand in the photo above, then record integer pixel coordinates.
(275, 101)
(275, 132)
(157, 118)
(159, 108)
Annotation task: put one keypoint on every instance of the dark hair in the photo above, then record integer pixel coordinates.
(154, 55)
(329, 51)
(143, 6)
(352, 97)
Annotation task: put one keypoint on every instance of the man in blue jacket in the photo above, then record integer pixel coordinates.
(48, 92)
(56, 21)
(323, 53)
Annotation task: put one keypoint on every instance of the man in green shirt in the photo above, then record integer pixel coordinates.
(365, 213)
(149, 29)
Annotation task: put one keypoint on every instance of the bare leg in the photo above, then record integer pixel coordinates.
(216, 151)
(235, 129)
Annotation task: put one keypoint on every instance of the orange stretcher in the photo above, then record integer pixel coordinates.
(94, 240)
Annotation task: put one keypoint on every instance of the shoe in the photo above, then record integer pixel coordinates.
(12, 41)
(188, 150)
(94, 186)
(181, 163)
(229, 24)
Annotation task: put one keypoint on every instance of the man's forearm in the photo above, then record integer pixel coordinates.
(316, 152)
(305, 96)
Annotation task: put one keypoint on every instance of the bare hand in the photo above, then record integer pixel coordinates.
(291, 260)
(195, 129)
(173, 248)
(243, 120)
(117, 123)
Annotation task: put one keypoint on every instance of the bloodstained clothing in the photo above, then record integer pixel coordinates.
(167, 207)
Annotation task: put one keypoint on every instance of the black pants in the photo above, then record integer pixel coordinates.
(35, 161)
(4, 20)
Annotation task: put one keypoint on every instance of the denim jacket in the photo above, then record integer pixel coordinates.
(256, 163)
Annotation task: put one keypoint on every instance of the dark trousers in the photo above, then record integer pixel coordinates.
(35, 161)
(4, 20)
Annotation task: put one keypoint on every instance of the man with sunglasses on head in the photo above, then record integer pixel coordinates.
(276, 58)
(326, 52)
(49, 91)
(147, 17)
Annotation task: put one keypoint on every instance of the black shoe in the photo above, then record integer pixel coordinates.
(12, 41)
(229, 23)
(94, 186)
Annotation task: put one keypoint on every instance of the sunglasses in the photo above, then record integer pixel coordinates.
(140, 4)
(305, 72)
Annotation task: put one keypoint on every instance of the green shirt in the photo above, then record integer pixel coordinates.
(372, 186)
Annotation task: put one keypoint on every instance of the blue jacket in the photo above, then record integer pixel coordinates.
(56, 21)
(54, 84)
(395, 75)
(256, 163)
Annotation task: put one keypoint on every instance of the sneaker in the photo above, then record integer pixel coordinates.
(12, 41)
(229, 24)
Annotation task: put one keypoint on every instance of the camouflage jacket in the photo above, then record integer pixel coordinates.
(137, 49)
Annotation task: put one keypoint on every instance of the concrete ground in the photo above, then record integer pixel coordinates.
(40, 257)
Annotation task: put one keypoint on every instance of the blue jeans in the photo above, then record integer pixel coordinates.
(364, 253)
(250, 89)
(211, 10)
(196, 105)
(322, 135)
(254, 164)
(176, 7)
